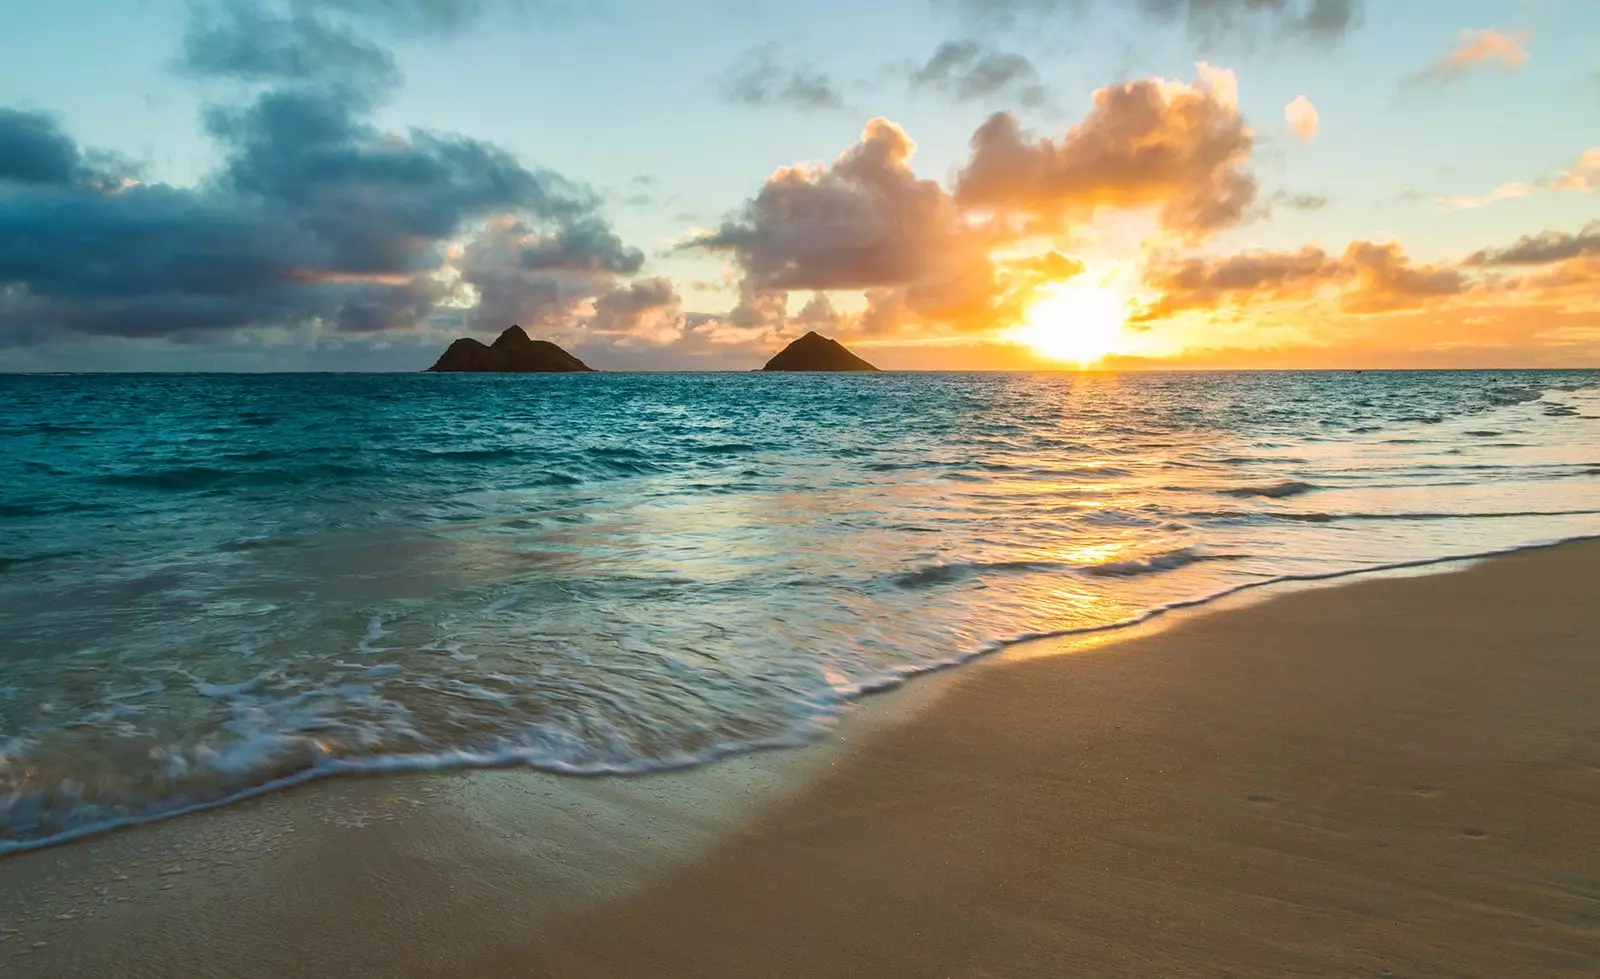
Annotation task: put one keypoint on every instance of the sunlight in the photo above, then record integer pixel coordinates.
(1078, 322)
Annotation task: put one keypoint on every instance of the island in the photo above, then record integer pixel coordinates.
(514, 352)
(815, 352)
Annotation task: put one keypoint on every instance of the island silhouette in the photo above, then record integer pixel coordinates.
(513, 352)
(815, 352)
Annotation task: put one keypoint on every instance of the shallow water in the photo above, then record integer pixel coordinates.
(214, 584)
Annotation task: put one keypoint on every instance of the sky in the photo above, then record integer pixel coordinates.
(940, 184)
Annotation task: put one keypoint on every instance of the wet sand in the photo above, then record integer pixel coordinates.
(1397, 776)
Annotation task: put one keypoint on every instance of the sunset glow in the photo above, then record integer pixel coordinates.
(1075, 323)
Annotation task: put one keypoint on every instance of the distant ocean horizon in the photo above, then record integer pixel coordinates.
(218, 584)
(882, 370)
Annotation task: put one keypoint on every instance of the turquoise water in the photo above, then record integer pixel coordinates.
(215, 585)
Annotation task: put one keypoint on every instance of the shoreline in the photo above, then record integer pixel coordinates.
(513, 872)
(402, 766)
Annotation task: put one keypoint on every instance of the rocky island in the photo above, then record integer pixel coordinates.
(514, 352)
(815, 352)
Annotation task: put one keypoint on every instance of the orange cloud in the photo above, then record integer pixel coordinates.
(1180, 149)
(1366, 278)
(1477, 49)
(1584, 177)
(1302, 118)
(1052, 266)
(1255, 277)
(1384, 279)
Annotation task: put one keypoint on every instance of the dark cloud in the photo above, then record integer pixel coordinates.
(1544, 248)
(34, 150)
(762, 79)
(249, 43)
(585, 245)
(1182, 149)
(381, 203)
(969, 70)
(1324, 21)
(315, 218)
(154, 260)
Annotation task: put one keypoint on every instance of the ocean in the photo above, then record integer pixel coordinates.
(213, 586)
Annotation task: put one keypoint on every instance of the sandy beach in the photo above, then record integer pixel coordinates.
(1393, 777)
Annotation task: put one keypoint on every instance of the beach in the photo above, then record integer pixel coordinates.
(1395, 776)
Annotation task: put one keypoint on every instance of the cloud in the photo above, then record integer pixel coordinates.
(154, 260)
(1535, 281)
(819, 314)
(379, 201)
(34, 150)
(249, 43)
(921, 256)
(1544, 248)
(761, 79)
(1302, 118)
(1181, 149)
(643, 312)
(1322, 21)
(1199, 283)
(1504, 192)
(969, 71)
(586, 244)
(1367, 278)
(1385, 278)
(315, 219)
(1476, 49)
(414, 14)
(432, 18)
(1052, 266)
(1582, 177)
(541, 276)
(1298, 202)
(866, 222)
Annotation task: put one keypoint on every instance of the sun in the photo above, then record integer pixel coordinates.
(1076, 322)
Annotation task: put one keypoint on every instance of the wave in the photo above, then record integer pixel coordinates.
(314, 764)
(943, 574)
(470, 455)
(23, 510)
(1156, 563)
(1272, 491)
(189, 478)
(8, 563)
